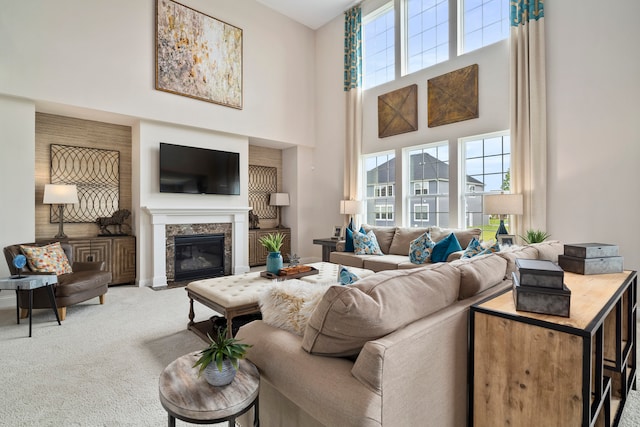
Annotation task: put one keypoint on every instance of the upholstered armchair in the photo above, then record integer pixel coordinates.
(88, 280)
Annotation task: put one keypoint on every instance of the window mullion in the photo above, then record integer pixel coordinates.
(400, 7)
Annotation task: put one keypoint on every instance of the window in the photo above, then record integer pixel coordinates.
(428, 176)
(427, 33)
(486, 168)
(379, 180)
(482, 23)
(378, 53)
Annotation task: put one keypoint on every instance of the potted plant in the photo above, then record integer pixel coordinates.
(219, 361)
(272, 243)
(534, 236)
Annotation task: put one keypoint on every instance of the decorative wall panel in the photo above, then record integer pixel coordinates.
(398, 111)
(453, 97)
(263, 180)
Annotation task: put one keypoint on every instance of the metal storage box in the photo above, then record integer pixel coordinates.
(612, 264)
(541, 273)
(541, 300)
(591, 250)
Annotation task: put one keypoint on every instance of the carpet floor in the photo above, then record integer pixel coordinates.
(101, 367)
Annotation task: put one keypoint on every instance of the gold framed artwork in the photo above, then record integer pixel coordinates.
(398, 111)
(197, 55)
(453, 97)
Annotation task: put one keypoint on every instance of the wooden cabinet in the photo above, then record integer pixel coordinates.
(118, 253)
(257, 252)
(531, 369)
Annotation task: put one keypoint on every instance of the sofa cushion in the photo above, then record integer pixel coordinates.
(420, 248)
(549, 250)
(510, 253)
(47, 259)
(349, 316)
(348, 258)
(384, 235)
(479, 273)
(444, 248)
(366, 244)
(80, 281)
(400, 245)
(385, 262)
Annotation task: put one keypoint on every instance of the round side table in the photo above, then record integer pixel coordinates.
(190, 398)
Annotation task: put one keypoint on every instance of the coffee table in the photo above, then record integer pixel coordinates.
(190, 398)
(234, 296)
(29, 283)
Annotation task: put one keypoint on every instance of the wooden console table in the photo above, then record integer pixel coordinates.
(258, 253)
(529, 369)
(328, 246)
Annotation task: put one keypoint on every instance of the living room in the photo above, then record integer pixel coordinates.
(95, 61)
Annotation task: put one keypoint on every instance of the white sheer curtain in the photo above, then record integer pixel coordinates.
(528, 113)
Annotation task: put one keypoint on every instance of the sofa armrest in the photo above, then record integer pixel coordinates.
(340, 245)
(88, 266)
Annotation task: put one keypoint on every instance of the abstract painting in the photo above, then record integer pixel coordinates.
(398, 111)
(453, 97)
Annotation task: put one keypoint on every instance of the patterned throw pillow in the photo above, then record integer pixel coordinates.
(473, 249)
(366, 244)
(47, 259)
(346, 277)
(420, 248)
(444, 248)
(491, 249)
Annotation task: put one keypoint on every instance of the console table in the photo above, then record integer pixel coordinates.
(258, 253)
(328, 246)
(528, 369)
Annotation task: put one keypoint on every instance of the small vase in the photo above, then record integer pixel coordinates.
(274, 262)
(219, 378)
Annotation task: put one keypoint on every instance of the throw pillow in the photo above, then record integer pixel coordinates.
(491, 249)
(346, 277)
(366, 244)
(444, 248)
(473, 249)
(420, 249)
(47, 259)
(348, 240)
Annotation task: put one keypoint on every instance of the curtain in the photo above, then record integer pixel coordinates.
(353, 91)
(528, 113)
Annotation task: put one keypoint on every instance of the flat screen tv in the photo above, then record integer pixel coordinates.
(198, 170)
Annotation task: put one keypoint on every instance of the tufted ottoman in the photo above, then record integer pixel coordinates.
(233, 296)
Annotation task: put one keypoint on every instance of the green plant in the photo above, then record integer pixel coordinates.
(273, 242)
(220, 348)
(534, 236)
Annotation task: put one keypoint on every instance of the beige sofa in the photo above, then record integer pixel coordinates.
(394, 243)
(415, 375)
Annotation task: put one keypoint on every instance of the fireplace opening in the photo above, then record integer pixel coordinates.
(198, 256)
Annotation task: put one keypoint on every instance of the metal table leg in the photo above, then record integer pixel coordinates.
(52, 300)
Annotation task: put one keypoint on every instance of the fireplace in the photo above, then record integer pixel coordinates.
(198, 256)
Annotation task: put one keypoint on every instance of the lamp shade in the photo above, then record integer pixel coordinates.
(60, 194)
(279, 199)
(350, 207)
(503, 204)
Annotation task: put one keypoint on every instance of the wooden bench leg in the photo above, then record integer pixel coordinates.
(24, 313)
(101, 298)
(192, 314)
(62, 313)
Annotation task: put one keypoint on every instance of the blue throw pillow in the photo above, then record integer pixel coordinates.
(444, 248)
(420, 248)
(366, 244)
(348, 242)
(491, 249)
(473, 249)
(346, 277)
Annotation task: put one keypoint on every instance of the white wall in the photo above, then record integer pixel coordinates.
(594, 123)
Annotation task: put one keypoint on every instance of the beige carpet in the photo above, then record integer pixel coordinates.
(101, 367)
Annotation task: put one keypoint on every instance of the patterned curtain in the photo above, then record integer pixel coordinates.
(353, 90)
(528, 113)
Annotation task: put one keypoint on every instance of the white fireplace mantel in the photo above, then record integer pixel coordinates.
(160, 217)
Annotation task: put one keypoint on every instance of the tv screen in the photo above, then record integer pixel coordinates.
(198, 170)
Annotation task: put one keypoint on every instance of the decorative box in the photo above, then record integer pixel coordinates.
(591, 250)
(541, 300)
(612, 264)
(539, 273)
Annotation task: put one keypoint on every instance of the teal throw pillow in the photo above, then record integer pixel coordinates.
(444, 248)
(346, 277)
(348, 243)
(366, 244)
(420, 248)
(473, 249)
(491, 249)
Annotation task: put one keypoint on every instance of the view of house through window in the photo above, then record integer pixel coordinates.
(380, 177)
(427, 202)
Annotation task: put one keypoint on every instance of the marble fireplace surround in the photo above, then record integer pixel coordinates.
(161, 217)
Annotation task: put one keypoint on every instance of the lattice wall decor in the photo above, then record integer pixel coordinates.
(95, 172)
(263, 181)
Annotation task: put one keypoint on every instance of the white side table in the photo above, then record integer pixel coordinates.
(29, 283)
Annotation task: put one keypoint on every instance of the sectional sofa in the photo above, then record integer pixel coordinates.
(395, 244)
(388, 350)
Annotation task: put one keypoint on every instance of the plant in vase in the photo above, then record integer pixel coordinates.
(535, 236)
(272, 243)
(219, 361)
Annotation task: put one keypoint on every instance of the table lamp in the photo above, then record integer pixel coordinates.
(60, 194)
(279, 200)
(350, 207)
(502, 205)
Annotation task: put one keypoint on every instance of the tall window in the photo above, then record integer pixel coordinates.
(380, 173)
(378, 34)
(486, 168)
(427, 33)
(428, 176)
(483, 22)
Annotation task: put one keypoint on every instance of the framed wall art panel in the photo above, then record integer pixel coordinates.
(453, 97)
(398, 111)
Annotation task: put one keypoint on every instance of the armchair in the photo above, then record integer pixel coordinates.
(88, 280)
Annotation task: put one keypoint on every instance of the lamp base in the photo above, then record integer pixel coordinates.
(61, 234)
(501, 229)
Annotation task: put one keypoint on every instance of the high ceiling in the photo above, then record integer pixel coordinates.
(312, 13)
